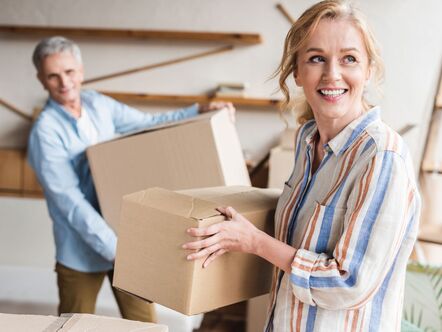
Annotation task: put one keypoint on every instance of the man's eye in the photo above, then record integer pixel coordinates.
(316, 59)
(349, 59)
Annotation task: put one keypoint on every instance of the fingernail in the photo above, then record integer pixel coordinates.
(184, 246)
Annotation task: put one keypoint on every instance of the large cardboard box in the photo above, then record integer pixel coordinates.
(73, 323)
(201, 152)
(151, 264)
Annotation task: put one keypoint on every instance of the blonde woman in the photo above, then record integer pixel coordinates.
(347, 218)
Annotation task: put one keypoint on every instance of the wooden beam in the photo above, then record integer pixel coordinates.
(225, 37)
(15, 110)
(189, 99)
(286, 14)
(161, 64)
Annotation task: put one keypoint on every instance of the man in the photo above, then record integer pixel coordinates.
(72, 120)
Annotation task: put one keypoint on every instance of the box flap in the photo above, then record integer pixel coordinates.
(241, 198)
(201, 117)
(175, 203)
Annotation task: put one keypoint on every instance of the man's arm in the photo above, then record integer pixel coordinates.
(53, 168)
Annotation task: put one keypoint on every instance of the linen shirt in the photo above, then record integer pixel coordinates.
(56, 152)
(353, 224)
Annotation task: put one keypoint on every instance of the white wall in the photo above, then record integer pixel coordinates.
(410, 32)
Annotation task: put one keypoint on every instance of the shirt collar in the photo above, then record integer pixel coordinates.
(60, 109)
(348, 135)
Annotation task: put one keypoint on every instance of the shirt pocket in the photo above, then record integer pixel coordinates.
(324, 228)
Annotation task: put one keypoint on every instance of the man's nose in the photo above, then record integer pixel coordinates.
(63, 80)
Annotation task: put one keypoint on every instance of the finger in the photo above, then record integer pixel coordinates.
(204, 231)
(202, 243)
(203, 253)
(213, 256)
(228, 211)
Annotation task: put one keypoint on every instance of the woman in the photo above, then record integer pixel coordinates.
(347, 218)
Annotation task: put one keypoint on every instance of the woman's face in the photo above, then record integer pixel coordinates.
(332, 68)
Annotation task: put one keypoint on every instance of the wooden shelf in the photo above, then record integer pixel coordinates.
(225, 37)
(189, 99)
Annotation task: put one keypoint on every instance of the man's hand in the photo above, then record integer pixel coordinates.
(218, 105)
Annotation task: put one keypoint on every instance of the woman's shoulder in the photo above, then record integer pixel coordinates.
(386, 139)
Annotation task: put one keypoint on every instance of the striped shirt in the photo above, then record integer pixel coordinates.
(353, 223)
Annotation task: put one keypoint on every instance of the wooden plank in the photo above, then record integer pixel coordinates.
(225, 37)
(30, 182)
(161, 64)
(15, 110)
(188, 99)
(286, 14)
(11, 164)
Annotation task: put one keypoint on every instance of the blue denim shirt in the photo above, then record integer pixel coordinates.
(56, 151)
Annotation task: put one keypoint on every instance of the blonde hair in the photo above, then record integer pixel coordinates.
(301, 31)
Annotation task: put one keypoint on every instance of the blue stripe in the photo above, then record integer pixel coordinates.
(327, 221)
(369, 118)
(299, 281)
(367, 145)
(311, 318)
(376, 307)
(364, 235)
(307, 186)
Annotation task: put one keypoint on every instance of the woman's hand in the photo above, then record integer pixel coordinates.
(234, 234)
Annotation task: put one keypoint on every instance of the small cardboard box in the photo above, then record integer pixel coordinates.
(201, 152)
(281, 165)
(151, 264)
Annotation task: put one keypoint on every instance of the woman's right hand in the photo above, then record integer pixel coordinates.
(235, 234)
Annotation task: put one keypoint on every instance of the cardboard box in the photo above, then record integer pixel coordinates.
(86, 322)
(287, 140)
(257, 312)
(151, 264)
(26, 323)
(201, 152)
(281, 165)
(74, 323)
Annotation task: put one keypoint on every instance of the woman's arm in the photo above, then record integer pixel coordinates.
(238, 234)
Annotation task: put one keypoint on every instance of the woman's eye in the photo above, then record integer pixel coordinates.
(349, 59)
(316, 59)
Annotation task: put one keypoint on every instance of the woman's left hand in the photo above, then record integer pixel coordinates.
(234, 234)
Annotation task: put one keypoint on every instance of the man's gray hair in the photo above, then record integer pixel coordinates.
(53, 45)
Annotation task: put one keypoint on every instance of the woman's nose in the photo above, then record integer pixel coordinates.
(332, 72)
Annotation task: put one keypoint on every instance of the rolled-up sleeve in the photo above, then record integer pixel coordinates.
(128, 119)
(380, 217)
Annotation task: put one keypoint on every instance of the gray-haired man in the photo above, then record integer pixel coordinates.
(72, 120)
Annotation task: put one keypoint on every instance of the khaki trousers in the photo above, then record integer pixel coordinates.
(78, 293)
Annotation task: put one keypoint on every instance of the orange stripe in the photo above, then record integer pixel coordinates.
(361, 328)
(350, 153)
(355, 321)
(292, 311)
(311, 227)
(347, 314)
(299, 316)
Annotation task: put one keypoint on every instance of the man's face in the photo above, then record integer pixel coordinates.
(61, 75)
